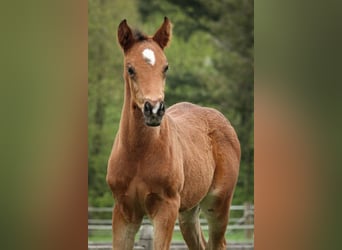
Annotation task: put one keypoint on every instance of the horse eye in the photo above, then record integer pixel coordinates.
(166, 68)
(131, 71)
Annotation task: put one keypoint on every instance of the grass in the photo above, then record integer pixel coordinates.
(106, 236)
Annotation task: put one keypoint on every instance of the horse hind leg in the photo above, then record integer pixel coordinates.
(216, 205)
(216, 210)
(191, 230)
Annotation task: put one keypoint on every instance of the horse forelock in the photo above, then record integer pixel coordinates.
(139, 36)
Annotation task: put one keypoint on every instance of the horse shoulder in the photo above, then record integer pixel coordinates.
(120, 171)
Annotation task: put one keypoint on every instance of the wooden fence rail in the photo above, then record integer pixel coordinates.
(110, 209)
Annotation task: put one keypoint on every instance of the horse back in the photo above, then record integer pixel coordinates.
(191, 119)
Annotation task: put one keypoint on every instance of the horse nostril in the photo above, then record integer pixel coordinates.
(161, 110)
(147, 108)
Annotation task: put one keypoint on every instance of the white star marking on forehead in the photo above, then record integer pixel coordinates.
(149, 57)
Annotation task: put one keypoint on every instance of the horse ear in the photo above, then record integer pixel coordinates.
(163, 34)
(125, 35)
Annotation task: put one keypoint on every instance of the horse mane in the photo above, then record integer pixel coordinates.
(139, 36)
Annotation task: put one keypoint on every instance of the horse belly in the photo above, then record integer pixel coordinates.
(198, 177)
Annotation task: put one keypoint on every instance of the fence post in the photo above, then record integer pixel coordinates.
(248, 220)
(146, 237)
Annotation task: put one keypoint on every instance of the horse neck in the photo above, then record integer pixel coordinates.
(133, 131)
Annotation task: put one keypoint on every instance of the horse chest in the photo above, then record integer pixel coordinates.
(140, 177)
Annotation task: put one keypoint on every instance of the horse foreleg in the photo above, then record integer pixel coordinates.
(191, 229)
(124, 230)
(164, 220)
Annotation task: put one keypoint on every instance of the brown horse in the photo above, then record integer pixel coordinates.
(168, 163)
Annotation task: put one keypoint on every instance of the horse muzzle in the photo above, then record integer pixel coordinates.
(153, 113)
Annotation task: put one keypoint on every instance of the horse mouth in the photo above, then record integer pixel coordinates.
(153, 121)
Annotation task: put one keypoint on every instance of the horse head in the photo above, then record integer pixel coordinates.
(145, 67)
